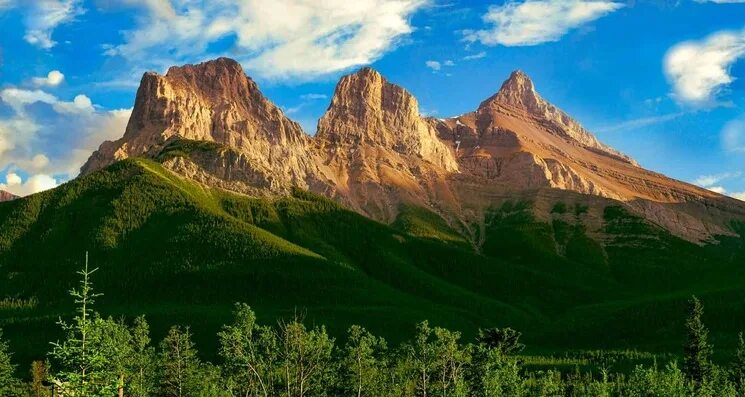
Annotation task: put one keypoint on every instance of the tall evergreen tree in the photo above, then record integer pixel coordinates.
(697, 352)
(84, 368)
(9, 385)
(179, 364)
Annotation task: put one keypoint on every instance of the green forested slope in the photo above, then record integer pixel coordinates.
(182, 253)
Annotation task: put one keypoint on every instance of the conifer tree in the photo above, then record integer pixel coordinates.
(84, 369)
(9, 385)
(697, 352)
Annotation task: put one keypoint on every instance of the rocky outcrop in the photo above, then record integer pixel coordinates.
(215, 101)
(374, 152)
(380, 149)
(5, 196)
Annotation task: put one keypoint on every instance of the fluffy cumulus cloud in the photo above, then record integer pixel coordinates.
(700, 70)
(277, 39)
(33, 184)
(52, 79)
(738, 195)
(533, 22)
(48, 139)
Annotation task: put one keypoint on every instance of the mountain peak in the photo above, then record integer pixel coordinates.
(518, 81)
(215, 66)
(518, 91)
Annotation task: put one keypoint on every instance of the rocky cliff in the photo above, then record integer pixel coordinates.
(375, 153)
(5, 196)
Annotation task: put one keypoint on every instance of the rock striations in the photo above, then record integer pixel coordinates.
(375, 153)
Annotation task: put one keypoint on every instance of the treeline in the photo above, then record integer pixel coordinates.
(103, 357)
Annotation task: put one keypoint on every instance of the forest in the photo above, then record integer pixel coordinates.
(103, 356)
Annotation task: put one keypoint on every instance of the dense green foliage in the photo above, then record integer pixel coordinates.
(104, 358)
(182, 253)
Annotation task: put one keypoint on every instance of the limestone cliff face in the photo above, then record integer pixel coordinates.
(380, 150)
(375, 153)
(5, 196)
(367, 110)
(215, 101)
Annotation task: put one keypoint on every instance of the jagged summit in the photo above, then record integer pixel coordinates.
(367, 108)
(518, 90)
(376, 154)
(518, 97)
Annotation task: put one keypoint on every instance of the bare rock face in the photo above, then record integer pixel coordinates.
(381, 151)
(518, 96)
(5, 196)
(519, 141)
(375, 153)
(215, 101)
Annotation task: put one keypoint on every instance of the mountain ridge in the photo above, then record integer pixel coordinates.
(7, 196)
(374, 153)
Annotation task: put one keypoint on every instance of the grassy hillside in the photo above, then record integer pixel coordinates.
(182, 254)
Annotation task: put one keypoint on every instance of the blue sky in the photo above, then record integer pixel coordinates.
(661, 80)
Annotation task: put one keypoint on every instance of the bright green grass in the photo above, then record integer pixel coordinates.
(182, 253)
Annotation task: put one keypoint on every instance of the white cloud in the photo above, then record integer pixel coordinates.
(708, 181)
(18, 98)
(717, 189)
(34, 184)
(51, 144)
(53, 78)
(43, 16)
(81, 104)
(278, 39)
(733, 135)
(479, 55)
(449, 63)
(434, 65)
(738, 195)
(699, 70)
(533, 22)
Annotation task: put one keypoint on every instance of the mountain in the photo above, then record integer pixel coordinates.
(374, 153)
(5, 196)
(511, 215)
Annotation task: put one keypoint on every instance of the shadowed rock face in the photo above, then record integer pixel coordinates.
(5, 196)
(374, 152)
